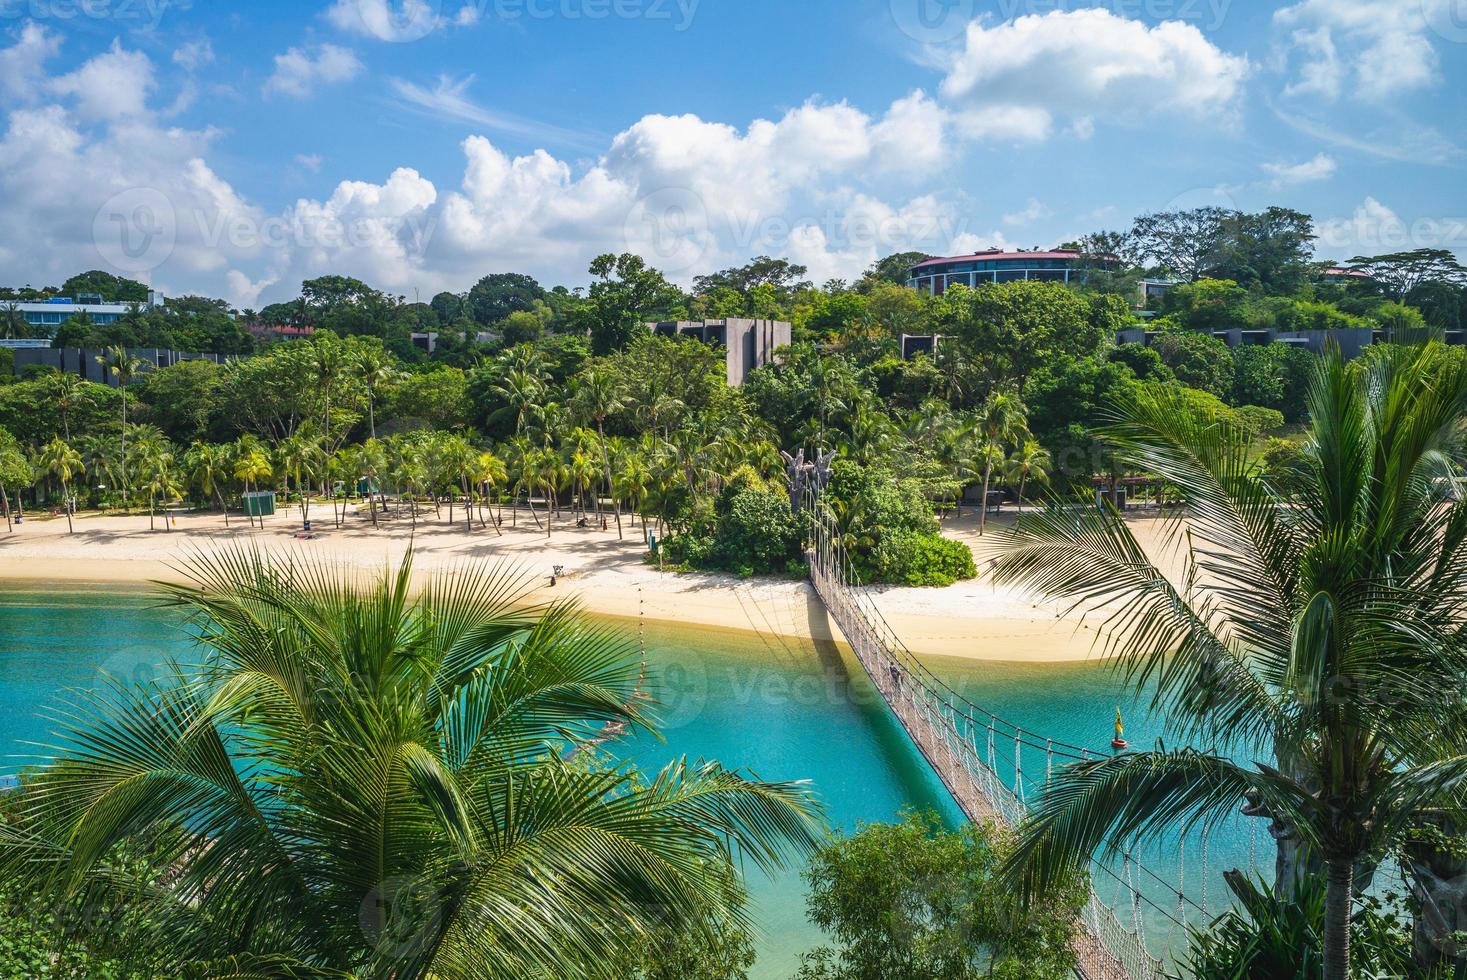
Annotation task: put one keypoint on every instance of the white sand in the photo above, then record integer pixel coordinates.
(970, 619)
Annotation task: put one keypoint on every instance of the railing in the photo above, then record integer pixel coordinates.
(959, 741)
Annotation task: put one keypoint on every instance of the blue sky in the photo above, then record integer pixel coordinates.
(236, 148)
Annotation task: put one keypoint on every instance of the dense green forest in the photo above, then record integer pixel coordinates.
(574, 412)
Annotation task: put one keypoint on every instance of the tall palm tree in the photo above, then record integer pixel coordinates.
(376, 369)
(1000, 420)
(161, 480)
(208, 468)
(124, 367)
(490, 473)
(599, 395)
(65, 390)
(302, 459)
(64, 463)
(1320, 621)
(1028, 463)
(371, 782)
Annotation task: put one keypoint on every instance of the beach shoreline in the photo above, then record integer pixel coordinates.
(971, 620)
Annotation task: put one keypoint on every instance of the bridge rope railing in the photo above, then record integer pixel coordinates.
(967, 747)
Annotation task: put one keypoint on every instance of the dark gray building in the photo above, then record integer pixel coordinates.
(747, 344)
(1352, 340)
(84, 363)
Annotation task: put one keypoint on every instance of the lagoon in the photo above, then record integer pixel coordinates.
(781, 708)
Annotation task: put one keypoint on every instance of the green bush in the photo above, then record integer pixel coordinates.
(750, 531)
(922, 559)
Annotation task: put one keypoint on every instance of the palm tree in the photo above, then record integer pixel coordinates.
(207, 467)
(522, 389)
(61, 461)
(161, 481)
(1029, 462)
(65, 390)
(376, 369)
(490, 474)
(599, 394)
(370, 782)
(632, 480)
(1320, 621)
(1000, 420)
(302, 459)
(124, 367)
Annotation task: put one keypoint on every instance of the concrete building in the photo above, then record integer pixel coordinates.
(84, 363)
(44, 316)
(747, 344)
(914, 344)
(1352, 341)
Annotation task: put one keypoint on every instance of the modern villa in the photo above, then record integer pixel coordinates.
(934, 275)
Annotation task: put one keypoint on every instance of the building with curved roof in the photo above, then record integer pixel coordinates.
(935, 275)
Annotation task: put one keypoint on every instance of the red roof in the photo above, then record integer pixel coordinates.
(995, 254)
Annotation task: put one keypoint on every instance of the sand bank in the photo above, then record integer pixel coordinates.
(973, 620)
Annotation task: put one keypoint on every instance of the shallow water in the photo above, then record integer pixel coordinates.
(784, 709)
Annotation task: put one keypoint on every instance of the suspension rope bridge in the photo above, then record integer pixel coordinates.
(967, 747)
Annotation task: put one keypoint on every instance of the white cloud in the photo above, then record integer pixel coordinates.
(449, 100)
(1322, 167)
(299, 72)
(1373, 228)
(687, 193)
(1377, 49)
(1013, 80)
(22, 65)
(113, 85)
(194, 55)
(396, 20)
(311, 161)
(1028, 214)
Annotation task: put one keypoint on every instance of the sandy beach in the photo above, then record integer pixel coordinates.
(974, 620)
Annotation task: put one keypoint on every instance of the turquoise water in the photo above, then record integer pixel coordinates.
(783, 709)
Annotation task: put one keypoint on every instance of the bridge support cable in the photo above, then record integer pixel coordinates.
(946, 729)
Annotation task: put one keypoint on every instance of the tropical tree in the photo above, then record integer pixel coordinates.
(1319, 622)
(303, 460)
(1000, 420)
(64, 463)
(15, 471)
(376, 369)
(490, 473)
(600, 394)
(1029, 463)
(207, 468)
(161, 480)
(124, 367)
(371, 782)
(65, 390)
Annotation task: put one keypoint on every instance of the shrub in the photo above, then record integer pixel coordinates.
(922, 559)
